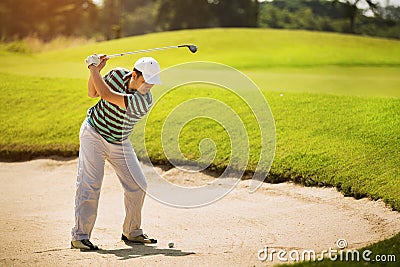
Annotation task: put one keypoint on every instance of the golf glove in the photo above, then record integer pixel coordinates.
(92, 60)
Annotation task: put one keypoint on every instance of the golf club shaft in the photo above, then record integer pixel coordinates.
(144, 51)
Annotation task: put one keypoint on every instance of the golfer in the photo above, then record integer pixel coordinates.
(125, 99)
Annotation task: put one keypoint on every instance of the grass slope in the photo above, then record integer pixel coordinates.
(254, 48)
(40, 116)
(322, 140)
(245, 49)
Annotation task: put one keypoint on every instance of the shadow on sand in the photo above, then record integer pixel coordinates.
(137, 251)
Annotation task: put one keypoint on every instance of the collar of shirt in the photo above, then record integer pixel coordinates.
(127, 78)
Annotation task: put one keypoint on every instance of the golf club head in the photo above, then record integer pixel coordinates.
(192, 48)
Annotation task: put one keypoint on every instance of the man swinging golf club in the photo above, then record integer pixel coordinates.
(125, 99)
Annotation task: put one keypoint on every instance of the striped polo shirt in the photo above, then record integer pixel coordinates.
(115, 123)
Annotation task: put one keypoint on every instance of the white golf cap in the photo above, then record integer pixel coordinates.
(150, 69)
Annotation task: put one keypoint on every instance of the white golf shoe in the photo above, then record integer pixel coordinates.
(84, 244)
(141, 239)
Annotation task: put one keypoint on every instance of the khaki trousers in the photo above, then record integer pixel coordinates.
(93, 152)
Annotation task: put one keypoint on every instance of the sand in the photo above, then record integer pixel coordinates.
(37, 213)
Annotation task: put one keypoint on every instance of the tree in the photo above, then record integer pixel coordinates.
(111, 19)
(390, 13)
(189, 14)
(183, 14)
(45, 19)
(270, 17)
(138, 17)
(353, 9)
(235, 13)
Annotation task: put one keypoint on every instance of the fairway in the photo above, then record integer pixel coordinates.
(352, 81)
(335, 100)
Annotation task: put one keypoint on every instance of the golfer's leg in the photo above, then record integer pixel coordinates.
(131, 176)
(89, 180)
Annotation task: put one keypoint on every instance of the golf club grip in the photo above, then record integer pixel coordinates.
(115, 55)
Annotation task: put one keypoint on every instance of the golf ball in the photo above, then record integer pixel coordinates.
(171, 244)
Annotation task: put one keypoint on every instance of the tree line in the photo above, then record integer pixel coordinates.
(47, 19)
(334, 16)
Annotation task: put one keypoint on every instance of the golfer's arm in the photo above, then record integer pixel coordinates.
(103, 90)
(92, 89)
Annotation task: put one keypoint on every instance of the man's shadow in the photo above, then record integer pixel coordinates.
(140, 250)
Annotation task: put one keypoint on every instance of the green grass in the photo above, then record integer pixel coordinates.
(40, 116)
(322, 140)
(340, 141)
(335, 100)
(245, 49)
(356, 81)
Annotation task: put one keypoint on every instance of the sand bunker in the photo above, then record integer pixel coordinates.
(37, 213)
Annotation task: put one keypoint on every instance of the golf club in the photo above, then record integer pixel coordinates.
(192, 48)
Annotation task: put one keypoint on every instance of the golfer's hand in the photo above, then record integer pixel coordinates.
(103, 61)
(93, 60)
(99, 61)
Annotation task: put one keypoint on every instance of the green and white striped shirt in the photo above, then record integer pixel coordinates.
(115, 123)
